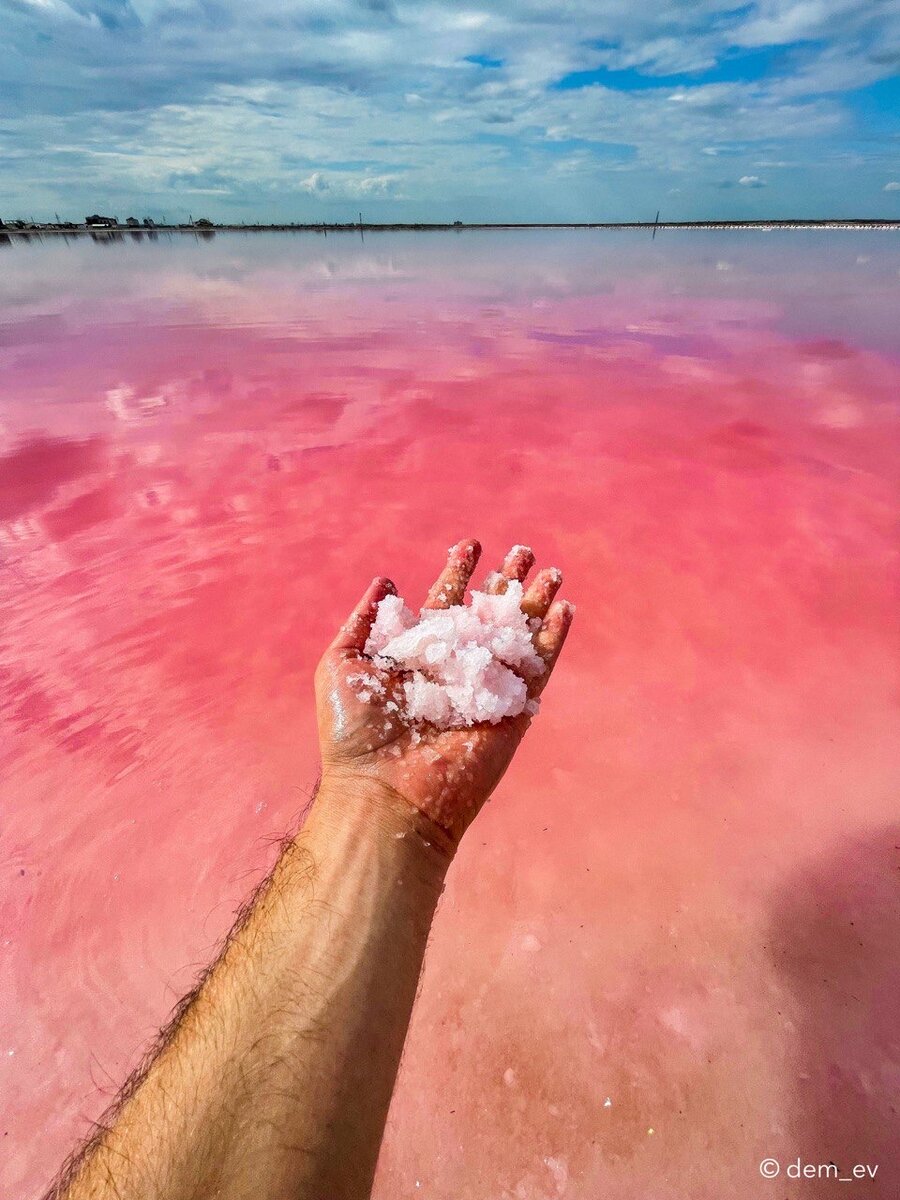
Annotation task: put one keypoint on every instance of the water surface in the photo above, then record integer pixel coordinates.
(668, 947)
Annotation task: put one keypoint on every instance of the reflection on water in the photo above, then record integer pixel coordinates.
(206, 450)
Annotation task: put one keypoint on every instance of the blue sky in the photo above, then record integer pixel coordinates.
(438, 110)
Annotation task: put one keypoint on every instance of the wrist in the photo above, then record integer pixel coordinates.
(374, 809)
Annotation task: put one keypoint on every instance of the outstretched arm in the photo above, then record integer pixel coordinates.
(275, 1076)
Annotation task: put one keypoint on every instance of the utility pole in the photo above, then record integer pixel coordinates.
(655, 224)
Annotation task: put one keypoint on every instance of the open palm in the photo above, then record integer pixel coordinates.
(446, 773)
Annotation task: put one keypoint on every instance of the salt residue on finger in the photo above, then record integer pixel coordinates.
(467, 663)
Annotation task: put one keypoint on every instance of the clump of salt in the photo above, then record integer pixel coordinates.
(466, 664)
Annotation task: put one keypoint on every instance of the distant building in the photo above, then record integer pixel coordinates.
(96, 221)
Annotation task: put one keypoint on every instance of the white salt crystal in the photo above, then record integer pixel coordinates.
(465, 663)
(392, 618)
(366, 686)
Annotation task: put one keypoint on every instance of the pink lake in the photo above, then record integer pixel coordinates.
(669, 947)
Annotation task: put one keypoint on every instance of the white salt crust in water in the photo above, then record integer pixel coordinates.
(467, 663)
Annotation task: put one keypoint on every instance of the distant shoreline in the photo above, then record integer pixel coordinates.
(106, 233)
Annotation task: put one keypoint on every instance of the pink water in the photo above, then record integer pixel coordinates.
(682, 900)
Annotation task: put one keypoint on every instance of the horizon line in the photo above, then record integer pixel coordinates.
(147, 225)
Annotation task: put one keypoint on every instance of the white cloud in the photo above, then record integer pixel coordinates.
(752, 181)
(782, 22)
(315, 184)
(320, 184)
(893, 186)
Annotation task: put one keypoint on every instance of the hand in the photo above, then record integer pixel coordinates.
(446, 774)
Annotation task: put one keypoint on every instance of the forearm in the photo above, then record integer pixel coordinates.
(278, 1078)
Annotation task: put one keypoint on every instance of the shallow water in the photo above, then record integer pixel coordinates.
(681, 901)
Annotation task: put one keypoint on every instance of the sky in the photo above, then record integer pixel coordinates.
(581, 110)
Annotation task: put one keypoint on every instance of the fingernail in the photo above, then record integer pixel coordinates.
(465, 549)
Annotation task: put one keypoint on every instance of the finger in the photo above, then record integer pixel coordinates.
(548, 641)
(540, 592)
(450, 586)
(354, 633)
(516, 565)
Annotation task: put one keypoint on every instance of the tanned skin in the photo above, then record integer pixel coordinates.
(273, 1079)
